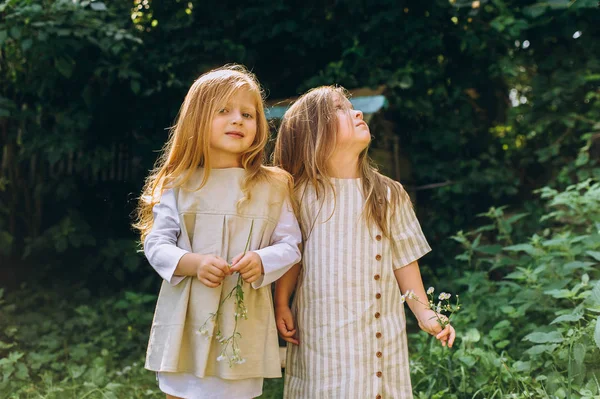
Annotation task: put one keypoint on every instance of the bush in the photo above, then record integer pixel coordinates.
(530, 326)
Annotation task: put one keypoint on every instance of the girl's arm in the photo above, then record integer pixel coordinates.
(409, 278)
(284, 287)
(283, 252)
(160, 245)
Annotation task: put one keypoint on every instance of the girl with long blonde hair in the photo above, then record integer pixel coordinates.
(346, 329)
(218, 227)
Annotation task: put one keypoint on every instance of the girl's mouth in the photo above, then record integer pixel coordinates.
(236, 135)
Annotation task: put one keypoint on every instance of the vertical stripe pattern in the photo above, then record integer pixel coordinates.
(348, 310)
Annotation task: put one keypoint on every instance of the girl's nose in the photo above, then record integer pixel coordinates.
(358, 114)
(236, 117)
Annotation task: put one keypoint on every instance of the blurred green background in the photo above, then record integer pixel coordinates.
(495, 106)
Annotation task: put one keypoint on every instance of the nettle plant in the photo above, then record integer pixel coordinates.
(530, 326)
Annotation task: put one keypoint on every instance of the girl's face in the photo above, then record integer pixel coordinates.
(353, 134)
(233, 130)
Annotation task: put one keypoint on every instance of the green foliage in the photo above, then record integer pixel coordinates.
(529, 324)
(52, 349)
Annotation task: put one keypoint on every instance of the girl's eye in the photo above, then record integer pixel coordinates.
(222, 110)
(247, 115)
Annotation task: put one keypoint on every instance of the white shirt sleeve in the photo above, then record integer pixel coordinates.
(160, 245)
(283, 251)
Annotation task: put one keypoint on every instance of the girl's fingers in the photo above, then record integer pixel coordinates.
(220, 263)
(444, 332)
(208, 283)
(240, 265)
(215, 271)
(250, 277)
(236, 259)
(291, 340)
(452, 337)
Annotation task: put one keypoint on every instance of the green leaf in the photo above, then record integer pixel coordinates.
(539, 349)
(567, 318)
(98, 6)
(113, 386)
(468, 360)
(594, 296)
(472, 335)
(135, 86)
(560, 293)
(578, 265)
(15, 32)
(26, 44)
(544, 338)
(528, 248)
(516, 217)
(3, 36)
(4, 345)
(579, 352)
(522, 366)
(535, 10)
(594, 254)
(64, 66)
(584, 4)
(489, 249)
(597, 332)
(22, 373)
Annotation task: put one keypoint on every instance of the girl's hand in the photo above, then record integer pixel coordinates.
(285, 324)
(249, 266)
(212, 270)
(429, 323)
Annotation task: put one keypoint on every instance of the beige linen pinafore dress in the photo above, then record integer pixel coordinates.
(211, 223)
(347, 307)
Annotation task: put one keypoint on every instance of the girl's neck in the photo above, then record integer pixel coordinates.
(341, 167)
(225, 163)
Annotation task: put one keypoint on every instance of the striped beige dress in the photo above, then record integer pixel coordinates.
(347, 306)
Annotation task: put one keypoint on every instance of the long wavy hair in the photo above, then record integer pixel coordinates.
(188, 146)
(306, 140)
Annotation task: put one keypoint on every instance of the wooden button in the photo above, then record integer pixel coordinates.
(378, 335)
(379, 374)
(377, 277)
(379, 354)
(378, 397)
(378, 295)
(378, 257)
(378, 237)
(377, 315)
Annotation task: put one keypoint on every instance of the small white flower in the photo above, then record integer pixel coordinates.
(430, 290)
(443, 296)
(220, 358)
(403, 298)
(241, 361)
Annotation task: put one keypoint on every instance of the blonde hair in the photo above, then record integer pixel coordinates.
(307, 138)
(188, 146)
